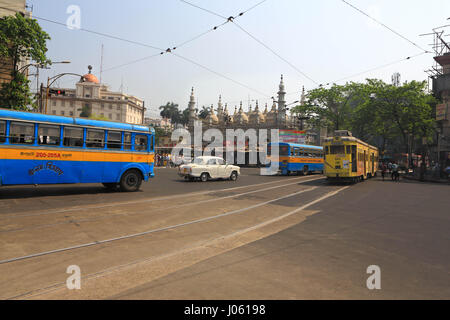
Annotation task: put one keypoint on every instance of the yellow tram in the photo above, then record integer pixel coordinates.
(348, 158)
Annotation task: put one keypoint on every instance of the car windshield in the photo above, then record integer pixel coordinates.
(198, 161)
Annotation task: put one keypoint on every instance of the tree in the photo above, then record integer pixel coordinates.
(21, 39)
(86, 112)
(203, 113)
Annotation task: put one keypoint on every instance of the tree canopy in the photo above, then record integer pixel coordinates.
(374, 111)
(170, 111)
(21, 40)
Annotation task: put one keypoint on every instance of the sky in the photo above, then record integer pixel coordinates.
(326, 40)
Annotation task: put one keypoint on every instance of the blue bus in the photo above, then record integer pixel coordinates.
(43, 149)
(297, 158)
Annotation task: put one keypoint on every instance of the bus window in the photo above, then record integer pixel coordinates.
(48, 135)
(114, 140)
(140, 142)
(95, 139)
(73, 137)
(127, 141)
(337, 150)
(296, 151)
(284, 151)
(22, 133)
(2, 131)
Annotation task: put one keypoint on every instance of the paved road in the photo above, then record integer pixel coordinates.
(258, 238)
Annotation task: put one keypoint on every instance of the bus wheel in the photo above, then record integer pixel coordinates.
(110, 186)
(130, 181)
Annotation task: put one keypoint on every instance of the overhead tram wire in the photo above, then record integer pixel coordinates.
(385, 26)
(275, 53)
(163, 51)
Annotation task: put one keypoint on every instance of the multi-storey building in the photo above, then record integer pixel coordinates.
(90, 98)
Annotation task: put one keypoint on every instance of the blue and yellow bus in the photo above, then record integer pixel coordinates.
(297, 158)
(42, 149)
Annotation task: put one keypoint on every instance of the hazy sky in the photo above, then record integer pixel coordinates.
(325, 39)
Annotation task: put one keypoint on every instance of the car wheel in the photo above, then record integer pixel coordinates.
(130, 181)
(204, 177)
(234, 176)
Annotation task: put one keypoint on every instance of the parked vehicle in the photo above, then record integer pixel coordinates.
(206, 168)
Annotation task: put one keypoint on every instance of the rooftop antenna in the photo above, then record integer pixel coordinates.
(101, 65)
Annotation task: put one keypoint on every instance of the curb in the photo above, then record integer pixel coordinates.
(426, 180)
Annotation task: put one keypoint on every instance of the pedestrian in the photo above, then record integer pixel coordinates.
(395, 175)
(383, 170)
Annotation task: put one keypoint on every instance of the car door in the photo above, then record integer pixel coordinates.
(222, 169)
(212, 168)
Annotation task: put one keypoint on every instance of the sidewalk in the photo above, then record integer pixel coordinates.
(427, 178)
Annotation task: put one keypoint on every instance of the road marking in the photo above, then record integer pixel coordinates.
(90, 244)
(182, 195)
(154, 210)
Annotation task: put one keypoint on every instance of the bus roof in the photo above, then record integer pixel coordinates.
(39, 117)
(296, 145)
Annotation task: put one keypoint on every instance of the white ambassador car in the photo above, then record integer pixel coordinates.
(206, 168)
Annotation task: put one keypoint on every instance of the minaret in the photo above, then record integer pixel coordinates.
(191, 107)
(303, 97)
(281, 104)
(220, 107)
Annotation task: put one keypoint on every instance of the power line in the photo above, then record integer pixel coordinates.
(275, 53)
(385, 26)
(220, 75)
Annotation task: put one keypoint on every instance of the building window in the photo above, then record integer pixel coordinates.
(87, 95)
(73, 137)
(54, 103)
(117, 116)
(110, 98)
(54, 112)
(72, 103)
(110, 116)
(48, 135)
(62, 113)
(102, 106)
(63, 103)
(110, 107)
(21, 133)
(95, 139)
(118, 108)
(71, 113)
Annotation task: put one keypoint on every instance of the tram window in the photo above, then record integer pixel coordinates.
(337, 150)
(140, 142)
(2, 131)
(347, 149)
(353, 149)
(127, 141)
(73, 137)
(21, 133)
(49, 135)
(95, 139)
(114, 140)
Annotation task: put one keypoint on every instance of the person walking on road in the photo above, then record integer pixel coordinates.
(395, 175)
(383, 170)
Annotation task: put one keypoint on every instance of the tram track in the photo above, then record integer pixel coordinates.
(4, 216)
(105, 271)
(132, 212)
